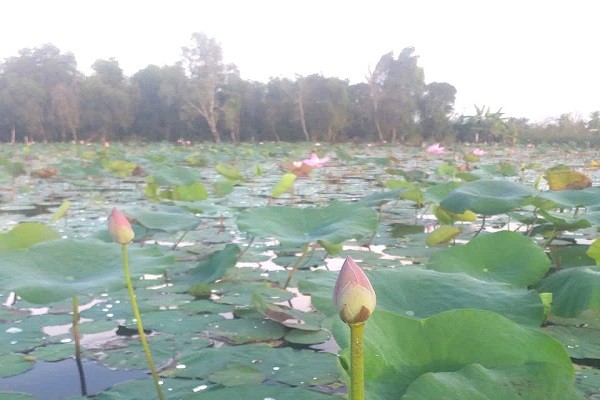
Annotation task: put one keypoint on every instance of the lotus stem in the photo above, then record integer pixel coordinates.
(138, 320)
(77, 340)
(295, 266)
(357, 368)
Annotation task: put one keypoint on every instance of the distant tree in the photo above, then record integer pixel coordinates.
(325, 104)
(282, 120)
(231, 101)
(105, 101)
(65, 106)
(397, 86)
(203, 62)
(593, 124)
(436, 107)
(157, 101)
(360, 116)
(486, 126)
(26, 88)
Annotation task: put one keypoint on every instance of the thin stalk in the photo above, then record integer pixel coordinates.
(357, 367)
(77, 340)
(138, 320)
(295, 266)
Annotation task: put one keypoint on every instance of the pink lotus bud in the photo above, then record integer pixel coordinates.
(119, 227)
(353, 295)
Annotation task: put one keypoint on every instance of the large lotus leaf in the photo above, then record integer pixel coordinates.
(245, 330)
(164, 218)
(564, 178)
(15, 396)
(574, 198)
(502, 256)
(487, 197)
(403, 350)
(14, 364)
(537, 381)
(26, 234)
(294, 367)
(574, 290)
(59, 269)
(260, 392)
(421, 293)
(173, 176)
(570, 256)
(145, 389)
(581, 341)
(334, 223)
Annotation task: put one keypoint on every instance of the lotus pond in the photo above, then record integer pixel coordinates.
(485, 269)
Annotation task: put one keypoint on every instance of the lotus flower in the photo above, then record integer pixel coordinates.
(315, 161)
(119, 227)
(435, 149)
(479, 152)
(353, 295)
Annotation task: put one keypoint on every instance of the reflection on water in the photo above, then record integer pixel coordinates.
(60, 380)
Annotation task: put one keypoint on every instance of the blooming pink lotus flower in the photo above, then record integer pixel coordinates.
(315, 161)
(353, 295)
(436, 149)
(479, 152)
(119, 227)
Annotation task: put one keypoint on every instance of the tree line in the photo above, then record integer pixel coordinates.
(43, 97)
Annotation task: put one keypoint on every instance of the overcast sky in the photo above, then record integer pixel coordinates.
(535, 59)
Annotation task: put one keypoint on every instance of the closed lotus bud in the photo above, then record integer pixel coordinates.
(353, 295)
(119, 227)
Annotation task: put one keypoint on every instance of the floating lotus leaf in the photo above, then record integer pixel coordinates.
(487, 197)
(229, 172)
(502, 256)
(562, 179)
(334, 223)
(26, 234)
(425, 357)
(59, 269)
(574, 198)
(279, 392)
(216, 264)
(574, 290)
(163, 218)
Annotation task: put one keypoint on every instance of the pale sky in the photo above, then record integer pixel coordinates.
(535, 59)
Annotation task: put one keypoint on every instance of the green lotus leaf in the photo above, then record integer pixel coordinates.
(229, 172)
(574, 290)
(245, 330)
(580, 341)
(535, 381)
(574, 198)
(285, 365)
(491, 350)
(334, 223)
(173, 176)
(163, 218)
(487, 197)
(501, 256)
(217, 263)
(14, 364)
(279, 392)
(26, 234)
(59, 269)
(284, 185)
(237, 375)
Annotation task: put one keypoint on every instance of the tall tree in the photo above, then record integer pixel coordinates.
(203, 62)
(436, 106)
(105, 101)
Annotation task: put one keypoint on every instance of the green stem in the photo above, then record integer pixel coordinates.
(357, 367)
(77, 340)
(295, 266)
(140, 326)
